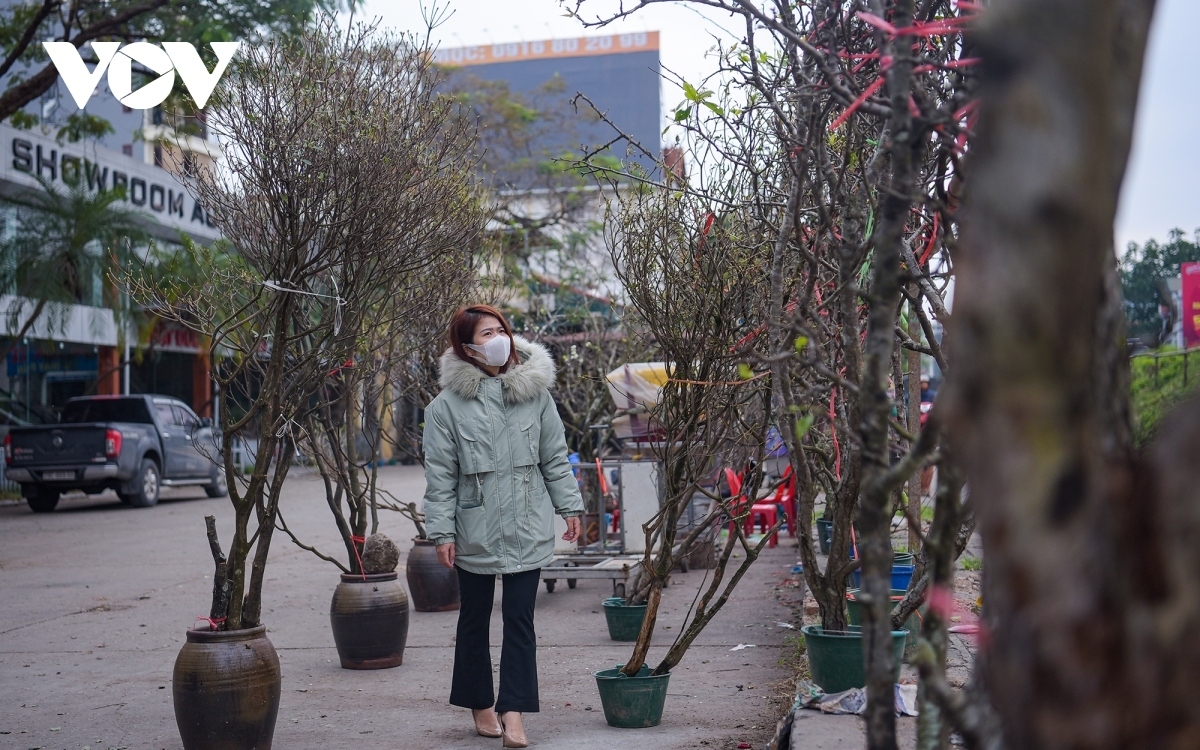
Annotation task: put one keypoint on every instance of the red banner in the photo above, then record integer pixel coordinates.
(1190, 274)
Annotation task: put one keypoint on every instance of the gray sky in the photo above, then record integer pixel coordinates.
(1159, 191)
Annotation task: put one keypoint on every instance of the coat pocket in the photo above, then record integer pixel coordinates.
(470, 491)
(539, 511)
(476, 464)
(474, 452)
(527, 450)
(471, 531)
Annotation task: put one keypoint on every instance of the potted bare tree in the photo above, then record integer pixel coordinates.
(692, 287)
(310, 225)
(855, 194)
(406, 256)
(353, 421)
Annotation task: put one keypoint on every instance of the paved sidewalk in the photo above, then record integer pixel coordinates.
(97, 597)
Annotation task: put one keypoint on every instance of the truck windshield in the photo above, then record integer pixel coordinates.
(107, 410)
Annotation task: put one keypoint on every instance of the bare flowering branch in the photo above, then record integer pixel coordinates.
(348, 208)
(837, 135)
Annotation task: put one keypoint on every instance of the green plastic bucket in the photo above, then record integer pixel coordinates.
(632, 702)
(912, 625)
(836, 659)
(624, 620)
(824, 535)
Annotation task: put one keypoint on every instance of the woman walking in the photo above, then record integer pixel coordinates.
(496, 471)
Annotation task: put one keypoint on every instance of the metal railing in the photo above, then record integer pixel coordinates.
(1158, 356)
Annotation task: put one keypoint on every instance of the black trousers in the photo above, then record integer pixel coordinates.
(472, 682)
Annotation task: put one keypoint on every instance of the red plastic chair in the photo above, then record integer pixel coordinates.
(766, 515)
(786, 496)
(734, 481)
(737, 501)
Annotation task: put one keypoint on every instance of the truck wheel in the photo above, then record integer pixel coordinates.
(44, 501)
(219, 486)
(147, 486)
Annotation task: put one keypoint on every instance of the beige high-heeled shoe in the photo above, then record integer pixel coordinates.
(512, 739)
(483, 726)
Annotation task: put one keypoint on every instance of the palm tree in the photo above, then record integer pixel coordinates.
(65, 247)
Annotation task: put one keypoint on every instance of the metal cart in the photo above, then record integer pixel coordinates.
(604, 552)
(573, 567)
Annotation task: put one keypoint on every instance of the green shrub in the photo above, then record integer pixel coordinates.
(1157, 385)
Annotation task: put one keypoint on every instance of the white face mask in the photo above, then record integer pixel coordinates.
(495, 352)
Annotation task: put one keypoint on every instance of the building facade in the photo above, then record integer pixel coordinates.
(619, 73)
(76, 348)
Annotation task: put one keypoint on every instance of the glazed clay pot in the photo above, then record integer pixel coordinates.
(226, 690)
(369, 615)
(434, 587)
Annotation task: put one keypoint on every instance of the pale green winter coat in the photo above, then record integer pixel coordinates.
(496, 467)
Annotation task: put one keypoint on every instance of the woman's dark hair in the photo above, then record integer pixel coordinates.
(462, 331)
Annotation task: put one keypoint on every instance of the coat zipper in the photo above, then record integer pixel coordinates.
(528, 523)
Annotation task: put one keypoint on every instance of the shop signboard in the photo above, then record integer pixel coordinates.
(24, 361)
(151, 190)
(172, 337)
(1190, 286)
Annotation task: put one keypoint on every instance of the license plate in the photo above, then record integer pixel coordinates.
(58, 476)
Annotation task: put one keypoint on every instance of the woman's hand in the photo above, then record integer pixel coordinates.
(574, 527)
(446, 554)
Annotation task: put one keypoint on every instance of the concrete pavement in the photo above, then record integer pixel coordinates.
(97, 596)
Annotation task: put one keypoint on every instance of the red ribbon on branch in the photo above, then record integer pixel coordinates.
(862, 98)
(940, 27)
(357, 540)
(339, 368)
(214, 623)
(932, 240)
(788, 308)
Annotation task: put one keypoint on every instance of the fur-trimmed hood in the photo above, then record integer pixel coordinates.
(522, 382)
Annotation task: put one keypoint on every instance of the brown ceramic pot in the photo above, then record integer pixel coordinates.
(226, 690)
(434, 587)
(369, 616)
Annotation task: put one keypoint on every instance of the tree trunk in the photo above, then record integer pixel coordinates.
(1093, 580)
(903, 148)
(914, 416)
(941, 549)
(642, 647)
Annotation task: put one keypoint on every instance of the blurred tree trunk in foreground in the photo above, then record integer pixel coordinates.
(1092, 587)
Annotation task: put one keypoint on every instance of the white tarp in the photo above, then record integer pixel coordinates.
(636, 387)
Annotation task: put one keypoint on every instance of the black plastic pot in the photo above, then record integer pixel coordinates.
(369, 616)
(226, 687)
